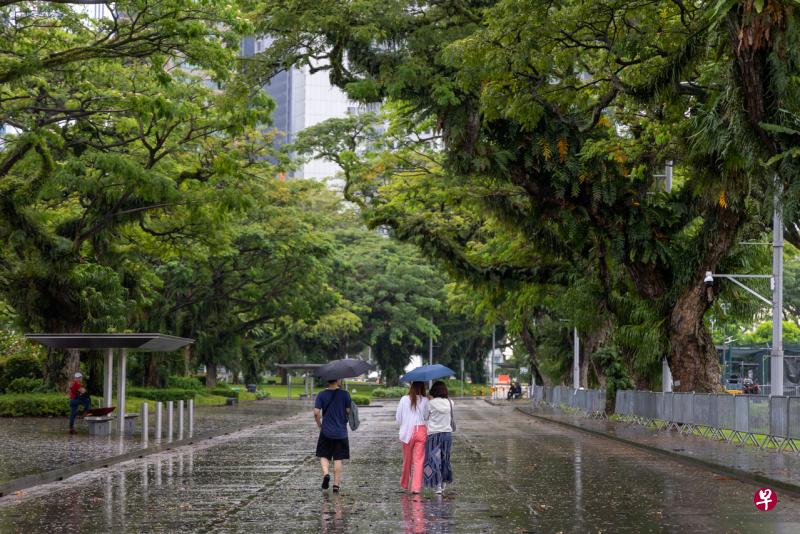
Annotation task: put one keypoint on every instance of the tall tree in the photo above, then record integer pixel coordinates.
(559, 116)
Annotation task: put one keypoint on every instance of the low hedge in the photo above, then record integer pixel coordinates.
(361, 400)
(184, 382)
(162, 395)
(222, 391)
(37, 405)
(389, 393)
(26, 385)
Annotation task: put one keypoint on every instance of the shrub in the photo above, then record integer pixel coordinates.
(25, 385)
(36, 405)
(261, 394)
(162, 395)
(389, 393)
(361, 400)
(184, 382)
(222, 391)
(20, 365)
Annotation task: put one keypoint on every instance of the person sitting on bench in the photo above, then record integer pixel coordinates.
(78, 396)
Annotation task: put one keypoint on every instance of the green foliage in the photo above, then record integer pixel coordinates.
(617, 374)
(389, 393)
(762, 333)
(26, 385)
(184, 382)
(361, 400)
(552, 121)
(20, 365)
(222, 391)
(36, 405)
(163, 395)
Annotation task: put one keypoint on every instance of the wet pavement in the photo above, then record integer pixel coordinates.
(513, 474)
(763, 463)
(30, 445)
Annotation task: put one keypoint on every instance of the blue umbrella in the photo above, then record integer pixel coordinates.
(427, 372)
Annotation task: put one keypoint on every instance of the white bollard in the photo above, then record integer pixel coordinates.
(145, 424)
(170, 415)
(180, 419)
(159, 420)
(191, 417)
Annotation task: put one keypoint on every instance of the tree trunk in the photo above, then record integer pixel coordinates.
(283, 374)
(211, 375)
(584, 370)
(591, 342)
(187, 359)
(151, 372)
(693, 358)
(530, 345)
(53, 366)
(72, 365)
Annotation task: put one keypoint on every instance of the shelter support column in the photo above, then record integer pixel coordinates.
(108, 378)
(123, 357)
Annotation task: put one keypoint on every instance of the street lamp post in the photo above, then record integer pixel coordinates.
(776, 281)
(776, 361)
(576, 360)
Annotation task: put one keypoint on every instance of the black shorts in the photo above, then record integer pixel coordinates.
(333, 449)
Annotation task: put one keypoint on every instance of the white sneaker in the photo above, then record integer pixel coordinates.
(439, 489)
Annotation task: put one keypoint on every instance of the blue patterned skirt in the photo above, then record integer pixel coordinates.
(437, 468)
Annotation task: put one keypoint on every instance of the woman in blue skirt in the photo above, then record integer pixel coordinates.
(440, 425)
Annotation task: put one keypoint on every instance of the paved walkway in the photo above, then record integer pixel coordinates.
(31, 445)
(513, 474)
(765, 466)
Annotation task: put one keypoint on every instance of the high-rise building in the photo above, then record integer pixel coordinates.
(302, 99)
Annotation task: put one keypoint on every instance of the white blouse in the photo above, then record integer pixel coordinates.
(408, 418)
(438, 415)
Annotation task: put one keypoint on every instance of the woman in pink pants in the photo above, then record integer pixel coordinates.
(413, 434)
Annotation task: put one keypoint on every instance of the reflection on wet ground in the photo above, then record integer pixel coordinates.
(512, 474)
(31, 445)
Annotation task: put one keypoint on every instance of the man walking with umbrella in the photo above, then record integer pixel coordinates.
(331, 411)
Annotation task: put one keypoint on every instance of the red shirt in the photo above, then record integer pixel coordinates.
(74, 389)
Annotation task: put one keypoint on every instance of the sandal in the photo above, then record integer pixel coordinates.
(335, 488)
(326, 480)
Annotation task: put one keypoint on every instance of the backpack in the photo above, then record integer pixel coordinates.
(352, 419)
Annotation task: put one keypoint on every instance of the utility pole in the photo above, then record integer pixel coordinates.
(430, 354)
(776, 362)
(462, 376)
(430, 346)
(576, 360)
(491, 363)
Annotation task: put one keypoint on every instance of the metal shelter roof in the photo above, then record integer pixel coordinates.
(137, 341)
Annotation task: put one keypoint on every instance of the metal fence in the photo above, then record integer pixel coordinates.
(756, 419)
(590, 401)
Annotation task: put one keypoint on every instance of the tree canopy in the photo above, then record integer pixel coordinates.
(550, 125)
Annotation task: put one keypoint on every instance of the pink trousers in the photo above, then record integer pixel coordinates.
(414, 460)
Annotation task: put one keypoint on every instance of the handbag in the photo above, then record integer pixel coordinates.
(452, 417)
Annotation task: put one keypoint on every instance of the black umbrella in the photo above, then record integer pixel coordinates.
(346, 368)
